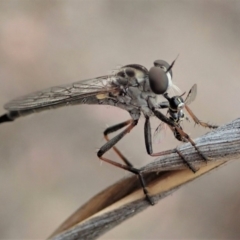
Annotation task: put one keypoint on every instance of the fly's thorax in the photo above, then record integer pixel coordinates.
(131, 75)
(124, 98)
(148, 95)
(146, 111)
(135, 113)
(136, 97)
(139, 72)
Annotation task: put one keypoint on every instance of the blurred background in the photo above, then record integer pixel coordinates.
(48, 162)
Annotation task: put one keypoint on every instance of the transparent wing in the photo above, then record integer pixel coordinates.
(174, 90)
(191, 95)
(64, 94)
(160, 133)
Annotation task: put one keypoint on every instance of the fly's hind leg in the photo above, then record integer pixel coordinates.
(110, 144)
(115, 128)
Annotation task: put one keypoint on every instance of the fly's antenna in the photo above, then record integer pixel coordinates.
(170, 67)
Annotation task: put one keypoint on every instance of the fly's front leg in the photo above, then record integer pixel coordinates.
(148, 144)
(173, 125)
(197, 121)
(184, 135)
(127, 167)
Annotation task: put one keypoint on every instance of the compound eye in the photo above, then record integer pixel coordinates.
(158, 80)
(162, 64)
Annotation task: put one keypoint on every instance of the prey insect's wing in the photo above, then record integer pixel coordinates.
(191, 95)
(65, 94)
(160, 132)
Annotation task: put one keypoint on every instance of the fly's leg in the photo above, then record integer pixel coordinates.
(184, 135)
(114, 129)
(127, 167)
(185, 161)
(197, 121)
(173, 125)
(148, 144)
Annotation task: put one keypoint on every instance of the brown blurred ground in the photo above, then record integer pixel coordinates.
(48, 163)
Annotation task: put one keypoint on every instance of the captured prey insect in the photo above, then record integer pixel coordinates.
(132, 88)
(175, 106)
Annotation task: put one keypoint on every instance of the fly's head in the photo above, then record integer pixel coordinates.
(160, 76)
(159, 79)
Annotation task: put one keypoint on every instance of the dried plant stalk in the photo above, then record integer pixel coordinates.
(125, 198)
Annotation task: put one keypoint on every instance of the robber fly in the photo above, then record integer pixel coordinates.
(132, 88)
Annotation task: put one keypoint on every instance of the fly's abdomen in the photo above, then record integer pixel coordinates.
(100, 99)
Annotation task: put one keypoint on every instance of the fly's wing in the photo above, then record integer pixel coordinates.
(191, 95)
(65, 94)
